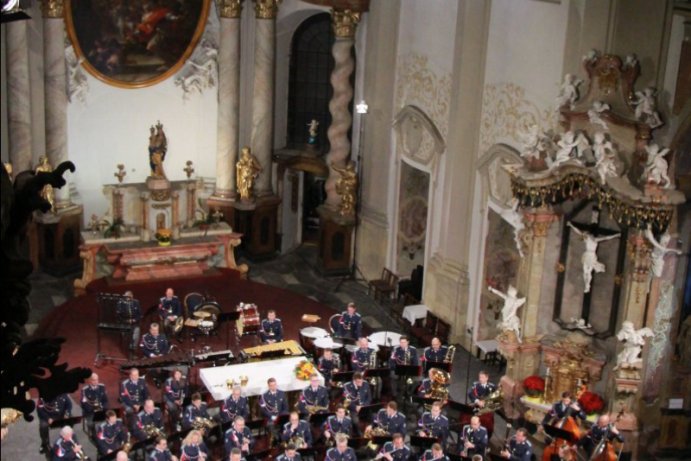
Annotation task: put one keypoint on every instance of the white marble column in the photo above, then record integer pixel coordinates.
(55, 91)
(18, 96)
(228, 98)
(344, 24)
(263, 93)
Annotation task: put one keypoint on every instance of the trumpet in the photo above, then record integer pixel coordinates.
(127, 446)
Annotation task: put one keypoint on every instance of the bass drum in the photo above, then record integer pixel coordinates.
(248, 323)
(193, 301)
(208, 314)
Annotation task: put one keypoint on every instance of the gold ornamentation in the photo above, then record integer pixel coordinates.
(247, 169)
(560, 267)
(230, 8)
(346, 187)
(266, 9)
(345, 22)
(47, 193)
(53, 9)
(158, 146)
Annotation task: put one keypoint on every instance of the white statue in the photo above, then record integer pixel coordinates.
(660, 250)
(594, 114)
(515, 218)
(531, 142)
(656, 167)
(633, 340)
(631, 60)
(605, 157)
(568, 93)
(509, 319)
(646, 107)
(312, 128)
(580, 324)
(568, 143)
(589, 258)
(591, 56)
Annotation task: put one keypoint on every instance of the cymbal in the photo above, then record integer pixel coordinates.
(201, 314)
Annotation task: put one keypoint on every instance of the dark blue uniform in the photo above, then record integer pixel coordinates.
(559, 410)
(58, 408)
(303, 430)
(271, 330)
(133, 393)
(157, 455)
(349, 326)
(144, 419)
(326, 367)
(168, 307)
(285, 457)
(193, 452)
(153, 346)
(312, 397)
(232, 408)
(357, 395)
(333, 425)
(435, 427)
(334, 455)
(110, 436)
(477, 437)
(392, 424)
(479, 391)
(431, 355)
(273, 404)
(400, 356)
(522, 451)
(397, 454)
(429, 456)
(425, 387)
(234, 439)
(596, 434)
(94, 398)
(175, 390)
(363, 358)
(191, 412)
(63, 450)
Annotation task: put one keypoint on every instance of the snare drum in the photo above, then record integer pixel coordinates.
(326, 343)
(192, 302)
(248, 323)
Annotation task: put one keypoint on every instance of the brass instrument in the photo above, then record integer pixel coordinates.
(127, 446)
(440, 382)
(406, 361)
(493, 402)
(450, 353)
(371, 365)
(152, 431)
(298, 441)
(202, 424)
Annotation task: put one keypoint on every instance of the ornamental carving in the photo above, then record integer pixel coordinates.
(230, 8)
(344, 23)
(417, 135)
(266, 9)
(53, 9)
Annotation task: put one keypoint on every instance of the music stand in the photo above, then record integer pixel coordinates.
(345, 340)
(281, 420)
(107, 321)
(382, 439)
(318, 419)
(423, 443)
(441, 365)
(59, 423)
(357, 443)
(342, 376)
(378, 372)
(307, 452)
(557, 433)
(228, 318)
(412, 371)
(454, 457)
(259, 455)
(366, 410)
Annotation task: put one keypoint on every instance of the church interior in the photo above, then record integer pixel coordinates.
(462, 224)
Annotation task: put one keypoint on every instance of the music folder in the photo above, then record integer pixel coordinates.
(318, 419)
(441, 365)
(342, 376)
(423, 443)
(281, 420)
(357, 442)
(345, 340)
(461, 407)
(378, 372)
(59, 423)
(381, 439)
(423, 400)
(367, 410)
(408, 370)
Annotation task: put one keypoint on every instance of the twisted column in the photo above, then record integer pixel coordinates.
(344, 24)
(228, 98)
(55, 91)
(18, 97)
(263, 91)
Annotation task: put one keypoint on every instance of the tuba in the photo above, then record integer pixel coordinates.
(202, 424)
(440, 384)
(493, 402)
(153, 432)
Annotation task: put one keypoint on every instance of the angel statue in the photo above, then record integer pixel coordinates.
(568, 93)
(660, 250)
(512, 216)
(47, 193)
(346, 187)
(633, 340)
(646, 107)
(594, 114)
(158, 146)
(246, 171)
(605, 157)
(531, 142)
(509, 319)
(312, 130)
(656, 166)
(569, 142)
(589, 258)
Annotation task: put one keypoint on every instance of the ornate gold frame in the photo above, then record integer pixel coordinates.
(72, 34)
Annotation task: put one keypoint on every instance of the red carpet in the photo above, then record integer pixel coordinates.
(76, 319)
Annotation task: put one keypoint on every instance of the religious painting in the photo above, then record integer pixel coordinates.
(134, 43)
(412, 218)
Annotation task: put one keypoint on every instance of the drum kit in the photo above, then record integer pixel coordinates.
(249, 322)
(202, 313)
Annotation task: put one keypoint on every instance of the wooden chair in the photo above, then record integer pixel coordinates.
(384, 286)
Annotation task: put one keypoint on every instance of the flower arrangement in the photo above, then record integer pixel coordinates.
(164, 237)
(591, 402)
(304, 370)
(534, 385)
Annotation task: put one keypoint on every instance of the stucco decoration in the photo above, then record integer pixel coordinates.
(77, 82)
(200, 72)
(418, 137)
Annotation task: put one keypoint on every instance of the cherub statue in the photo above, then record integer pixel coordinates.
(246, 170)
(605, 157)
(158, 146)
(656, 166)
(591, 56)
(569, 142)
(512, 216)
(633, 340)
(509, 319)
(631, 60)
(47, 193)
(646, 107)
(531, 142)
(659, 251)
(312, 127)
(580, 324)
(568, 93)
(589, 258)
(594, 114)
(346, 187)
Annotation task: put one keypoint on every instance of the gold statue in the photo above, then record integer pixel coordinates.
(346, 187)
(158, 146)
(247, 169)
(48, 194)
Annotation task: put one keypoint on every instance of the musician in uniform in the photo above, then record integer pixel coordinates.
(561, 408)
(133, 393)
(599, 431)
(395, 450)
(390, 419)
(434, 424)
(122, 456)
(153, 343)
(290, 454)
(474, 438)
(161, 451)
(169, 309)
(196, 409)
(111, 434)
(129, 312)
(481, 389)
(435, 352)
(271, 330)
(297, 431)
(435, 453)
(341, 452)
(350, 323)
(328, 364)
(150, 416)
(66, 447)
(236, 455)
(356, 394)
(338, 424)
(93, 399)
(238, 436)
(273, 402)
(176, 389)
(234, 405)
(363, 357)
(403, 354)
(520, 448)
(314, 398)
(49, 411)
(193, 447)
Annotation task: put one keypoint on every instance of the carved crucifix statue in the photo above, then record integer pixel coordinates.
(509, 319)
(589, 258)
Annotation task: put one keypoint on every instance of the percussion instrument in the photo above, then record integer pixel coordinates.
(249, 322)
(201, 314)
(192, 301)
(171, 359)
(289, 348)
(208, 314)
(327, 343)
(384, 338)
(353, 347)
(308, 335)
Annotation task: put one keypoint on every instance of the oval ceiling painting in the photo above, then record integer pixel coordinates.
(134, 43)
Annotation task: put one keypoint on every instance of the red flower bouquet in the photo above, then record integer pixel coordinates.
(534, 385)
(591, 403)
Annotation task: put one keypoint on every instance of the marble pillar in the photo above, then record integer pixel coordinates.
(344, 24)
(191, 201)
(175, 214)
(145, 232)
(228, 99)
(263, 92)
(18, 96)
(55, 91)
